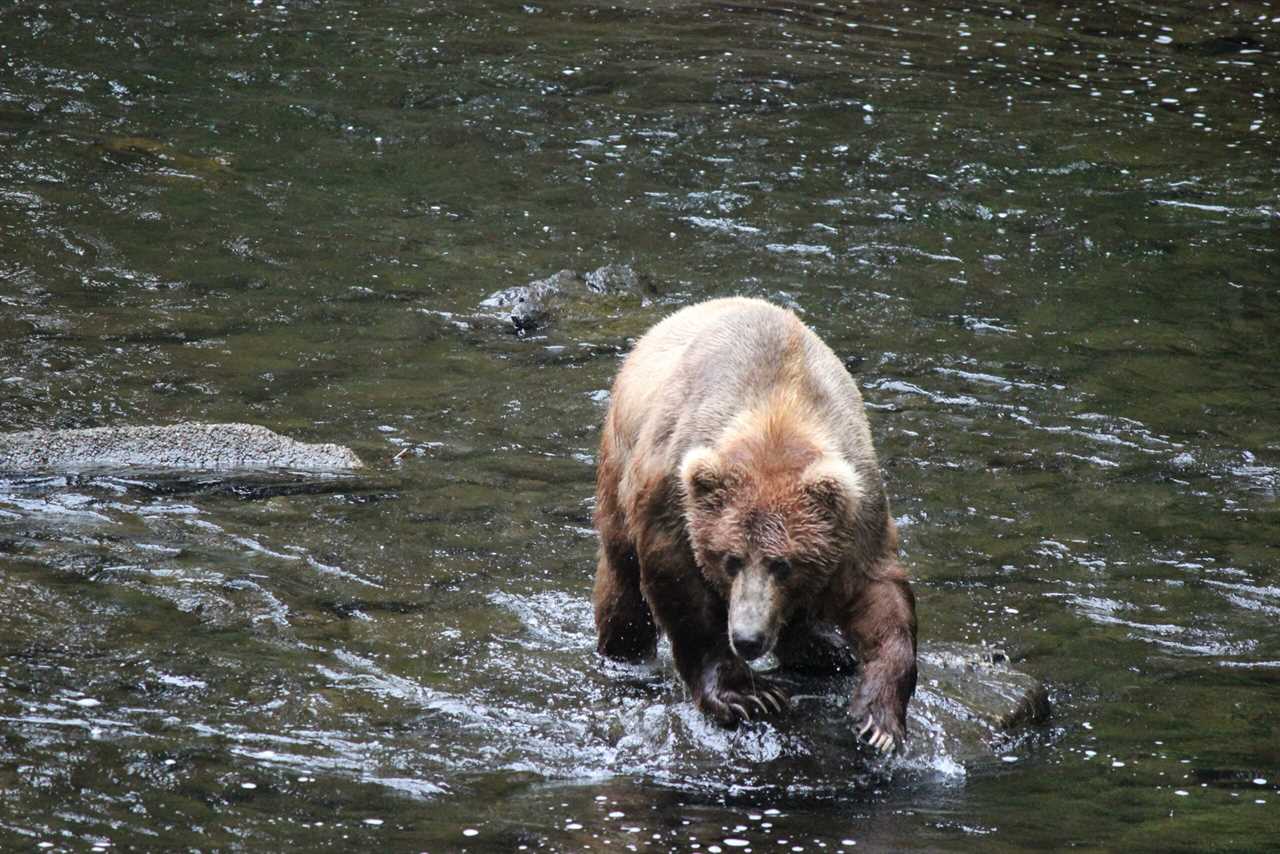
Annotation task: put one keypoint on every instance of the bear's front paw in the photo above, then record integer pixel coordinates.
(884, 737)
(879, 726)
(732, 695)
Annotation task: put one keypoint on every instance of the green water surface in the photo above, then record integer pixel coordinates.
(1043, 236)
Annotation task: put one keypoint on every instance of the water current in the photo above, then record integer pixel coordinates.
(1043, 236)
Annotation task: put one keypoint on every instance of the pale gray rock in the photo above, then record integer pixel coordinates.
(185, 446)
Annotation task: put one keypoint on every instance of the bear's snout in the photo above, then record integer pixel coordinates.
(752, 613)
(748, 646)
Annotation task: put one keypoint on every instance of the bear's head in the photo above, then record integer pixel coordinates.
(768, 526)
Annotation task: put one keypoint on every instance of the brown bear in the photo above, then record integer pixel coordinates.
(741, 511)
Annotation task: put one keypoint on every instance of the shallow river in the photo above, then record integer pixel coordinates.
(1044, 237)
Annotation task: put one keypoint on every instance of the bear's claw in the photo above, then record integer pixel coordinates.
(880, 739)
(749, 699)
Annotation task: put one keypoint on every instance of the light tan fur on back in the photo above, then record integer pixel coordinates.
(666, 402)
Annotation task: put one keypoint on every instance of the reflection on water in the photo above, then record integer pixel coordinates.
(1043, 237)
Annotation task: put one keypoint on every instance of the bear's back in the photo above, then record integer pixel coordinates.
(698, 370)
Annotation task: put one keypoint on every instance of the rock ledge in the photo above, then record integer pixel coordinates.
(185, 446)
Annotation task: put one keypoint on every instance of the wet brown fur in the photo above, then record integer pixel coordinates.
(734, 430)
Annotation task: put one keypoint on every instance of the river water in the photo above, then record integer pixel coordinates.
(1043, 236)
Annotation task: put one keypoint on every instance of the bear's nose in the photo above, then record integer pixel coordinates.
(748, 645)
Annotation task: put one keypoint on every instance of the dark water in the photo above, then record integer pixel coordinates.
(1044, 238)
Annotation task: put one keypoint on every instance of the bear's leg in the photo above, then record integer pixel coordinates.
(882, 624)
(814, 648)
(696, 621)
(624, 624)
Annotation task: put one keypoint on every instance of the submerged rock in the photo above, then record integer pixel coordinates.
(982, 685)
(616, 279)
(184, 446)
(162, 155)
(969, 702)
(527, 308)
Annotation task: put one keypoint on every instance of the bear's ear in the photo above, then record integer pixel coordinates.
(703, 478)
(833, 485)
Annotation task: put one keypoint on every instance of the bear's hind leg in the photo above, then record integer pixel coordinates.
(624, 623)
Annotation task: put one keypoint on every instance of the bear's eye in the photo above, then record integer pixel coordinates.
(732, 565)
(780, 567)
